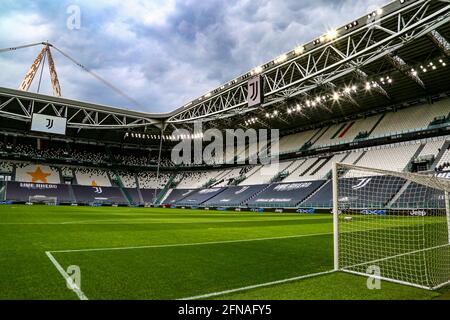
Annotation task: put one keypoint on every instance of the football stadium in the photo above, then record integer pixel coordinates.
(321, 174)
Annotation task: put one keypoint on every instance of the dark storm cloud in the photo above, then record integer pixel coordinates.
(163, 52)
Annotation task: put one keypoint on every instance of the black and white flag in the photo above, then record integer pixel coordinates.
(48, 124)
(255, 91)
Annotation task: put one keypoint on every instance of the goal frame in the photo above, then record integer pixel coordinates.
(335, 212)
(43, 199)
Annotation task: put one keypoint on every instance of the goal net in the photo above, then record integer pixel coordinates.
(392, 225)
(51, 201)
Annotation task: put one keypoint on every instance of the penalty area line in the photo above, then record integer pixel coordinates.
(261, 285)
(68, 279)
(192, 244)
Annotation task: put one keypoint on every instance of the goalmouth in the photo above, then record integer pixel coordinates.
(51, 201)
(393, 226)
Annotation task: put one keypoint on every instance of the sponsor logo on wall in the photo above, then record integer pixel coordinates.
(273, 200)
(310, 210)
(207, 191)
(418, 213)
(98, 190)
(292, 186)
(37, 186)
(376, 212)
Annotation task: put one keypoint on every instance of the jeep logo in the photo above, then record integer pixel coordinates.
(419, 213)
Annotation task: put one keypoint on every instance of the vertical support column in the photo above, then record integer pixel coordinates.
(447, 212)
(335, 216)
(159, 166)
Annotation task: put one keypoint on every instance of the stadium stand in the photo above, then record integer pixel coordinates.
(149, 195)
(26, 172)
(67, 172)
(284, 195)
(133, 196)
(198, 179)
(128, 179)
(176, 195)
(92, 177)
(323, 198)
(6, 167)
(147, 180)
(394, 157)
(411, 119)
(230, 176)
(198, 197)
(248, 185)
(22, 191)
(99, 195)
(234, 196)
(265, 174)
(294, 142)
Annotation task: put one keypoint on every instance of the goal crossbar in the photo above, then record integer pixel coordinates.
(397, 223)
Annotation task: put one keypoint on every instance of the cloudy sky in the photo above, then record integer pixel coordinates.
(163, 53)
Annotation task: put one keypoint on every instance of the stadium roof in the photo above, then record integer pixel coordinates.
(397, 54)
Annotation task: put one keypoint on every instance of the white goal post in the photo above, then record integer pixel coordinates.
(393, 226)
(38, 199)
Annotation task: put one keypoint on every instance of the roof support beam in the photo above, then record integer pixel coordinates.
(299, 73)
(405, 69)
(440, 42)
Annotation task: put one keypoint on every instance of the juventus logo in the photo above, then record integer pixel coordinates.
(255, 96)
(254, 91)
(49, 123)
(362, 183)
(98, 190)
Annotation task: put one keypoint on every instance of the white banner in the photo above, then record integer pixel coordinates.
(48, 124)
(255, 94)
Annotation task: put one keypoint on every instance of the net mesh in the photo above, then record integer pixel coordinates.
(396, 222)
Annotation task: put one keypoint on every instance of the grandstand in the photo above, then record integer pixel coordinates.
(385, 107)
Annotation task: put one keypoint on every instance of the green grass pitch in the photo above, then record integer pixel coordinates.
(144, 253)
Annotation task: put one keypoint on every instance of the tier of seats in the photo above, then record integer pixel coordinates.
(392, 157)
(92, 177)
(198, 179)
(37, 173)
(6, 167)
(265, 174)
(128, 179)
(411, 119)
(150, 180)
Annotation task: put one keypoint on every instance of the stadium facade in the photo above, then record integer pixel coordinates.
(374, 92)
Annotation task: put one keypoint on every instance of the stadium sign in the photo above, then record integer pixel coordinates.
(380, 212)
(37, 186)
(311, 210)
(418, 213)
(255, 95)
(48, 124)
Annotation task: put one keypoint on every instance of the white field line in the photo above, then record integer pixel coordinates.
(191, 244)
(144, 221)
(182, 222)
(261, 285)
(66, 277)
(398, 255)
